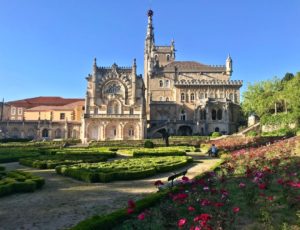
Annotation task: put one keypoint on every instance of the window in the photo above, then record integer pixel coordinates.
(156, 57)
(219, 114)
(202, 114)
(213, 114)
(167, 83)
(62, 116)
(192, 96)
(131, 132)
(205, 95)
(168, 57)
(235, 98)
(19, 111)
(231, 96)
(201, 96)
(182, 115)
(182, 97)
(96, 111)
(114, 131)
(13, 111)
(161, 83)
(167, 99)
(131, 111)
(161, 98)
(45, 133)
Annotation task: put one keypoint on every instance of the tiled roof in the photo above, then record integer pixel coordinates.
(192, 66)
(70, 106)
(46, 101)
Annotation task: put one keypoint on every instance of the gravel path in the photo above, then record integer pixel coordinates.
(63, 201)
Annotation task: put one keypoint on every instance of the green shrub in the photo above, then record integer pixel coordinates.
(251, 133)
(216, 134)
(148, 144)
(2, 168)
(125, 169)
(18, 181)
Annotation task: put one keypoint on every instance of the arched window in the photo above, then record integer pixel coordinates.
(182, 97)
(113, 108)
(156, 57)
(192, 96)
(57, 133)
(213, 114)
(217, 129)
(161, 83)
(167, 83)
(182, 115)
(219, 114)
(231, 96)
(201, 96)
(45, 133)
(168, 57)
(96, 111)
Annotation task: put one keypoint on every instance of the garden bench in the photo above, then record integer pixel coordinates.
(175, 175)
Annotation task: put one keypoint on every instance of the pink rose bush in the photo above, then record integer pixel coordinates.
(260, 185)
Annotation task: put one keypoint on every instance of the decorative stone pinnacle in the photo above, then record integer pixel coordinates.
(150, 13)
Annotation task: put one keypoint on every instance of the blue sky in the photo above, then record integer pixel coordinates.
(47, 47)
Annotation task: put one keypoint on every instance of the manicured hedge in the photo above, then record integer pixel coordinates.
(17, 181)
(142, 153)
(159, 151)
(14, 154)
(125, 169)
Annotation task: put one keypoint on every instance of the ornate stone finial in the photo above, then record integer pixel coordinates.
(150, 13)
(95, 61)
(134, 62)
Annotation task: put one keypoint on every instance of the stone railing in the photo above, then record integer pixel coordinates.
(121, 116)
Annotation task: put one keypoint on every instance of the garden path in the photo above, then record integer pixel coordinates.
(63, 202)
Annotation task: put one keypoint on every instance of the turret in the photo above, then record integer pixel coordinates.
(229, 65)
(133, 82)
(173, 49)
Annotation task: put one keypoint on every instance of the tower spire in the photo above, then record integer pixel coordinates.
(150, 34)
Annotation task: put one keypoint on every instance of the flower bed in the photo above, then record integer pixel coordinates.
(253, 189)
(125, 169)
(17, 181)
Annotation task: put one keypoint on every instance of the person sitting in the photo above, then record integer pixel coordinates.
(213, 151)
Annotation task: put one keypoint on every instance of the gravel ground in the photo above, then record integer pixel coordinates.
(63, 202)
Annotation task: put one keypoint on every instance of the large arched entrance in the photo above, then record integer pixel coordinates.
(45, 133)
(184, 131)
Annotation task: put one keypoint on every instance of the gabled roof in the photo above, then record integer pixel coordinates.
(192, 66)
(45, 101)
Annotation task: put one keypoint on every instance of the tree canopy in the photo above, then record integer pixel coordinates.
(274, 96)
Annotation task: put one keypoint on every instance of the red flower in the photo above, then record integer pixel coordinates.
(262, 186)
(181, 222)
(131, 204)
(218, 204)
(205, 202)
(180, 196)
(130, 211)
(203, 217)
(270, 198)
(242, 185)
(236, 209)
(158, 183)
(191, 208)
(184, 178)
(280, 181)
(141, 216)
(294, 184)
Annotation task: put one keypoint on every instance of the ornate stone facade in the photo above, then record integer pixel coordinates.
(114, 105)
(186, 97)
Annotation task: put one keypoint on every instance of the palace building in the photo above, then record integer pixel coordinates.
(172, 97)
(177, 97)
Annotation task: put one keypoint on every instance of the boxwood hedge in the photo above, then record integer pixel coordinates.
(125, 169)
(17, 181)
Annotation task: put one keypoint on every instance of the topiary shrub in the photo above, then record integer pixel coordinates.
(216, 134)
(148, 144)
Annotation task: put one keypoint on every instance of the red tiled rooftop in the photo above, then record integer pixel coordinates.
(47, 101)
